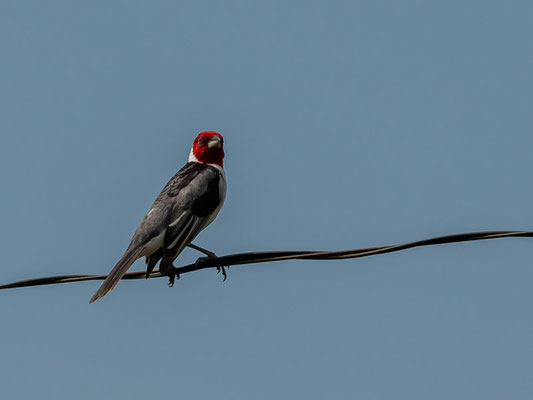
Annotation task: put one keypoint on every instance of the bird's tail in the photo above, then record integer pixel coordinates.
(117, 273)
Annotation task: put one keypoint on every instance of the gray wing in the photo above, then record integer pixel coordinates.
(195, 200)
(183, 229)
(190, 195)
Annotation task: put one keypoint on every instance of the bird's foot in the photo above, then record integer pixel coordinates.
(172, 274)
(224, 273)
(219, 269)
(200, 259)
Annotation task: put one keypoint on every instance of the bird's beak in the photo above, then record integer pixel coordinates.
(214, 142)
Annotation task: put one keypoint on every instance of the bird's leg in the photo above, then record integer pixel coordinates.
(209, 254)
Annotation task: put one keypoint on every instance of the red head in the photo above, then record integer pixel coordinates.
(208, 148)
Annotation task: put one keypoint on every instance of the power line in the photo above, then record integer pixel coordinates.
(268, 256)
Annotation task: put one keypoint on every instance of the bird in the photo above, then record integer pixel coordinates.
(188, 203)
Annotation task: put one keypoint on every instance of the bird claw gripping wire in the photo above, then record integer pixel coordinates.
(224, 274)
(219, 269)
(172, 275)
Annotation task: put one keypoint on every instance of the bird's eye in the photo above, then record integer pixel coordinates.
(201, 140)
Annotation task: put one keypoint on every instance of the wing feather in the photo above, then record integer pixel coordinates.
(181, 231)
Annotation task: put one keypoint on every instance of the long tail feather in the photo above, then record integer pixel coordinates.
(117, 273)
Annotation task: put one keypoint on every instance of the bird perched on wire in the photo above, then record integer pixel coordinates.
(187, 204)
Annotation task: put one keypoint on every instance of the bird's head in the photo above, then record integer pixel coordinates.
(208, 148)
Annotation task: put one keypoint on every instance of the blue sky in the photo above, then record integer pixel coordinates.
(347, 124)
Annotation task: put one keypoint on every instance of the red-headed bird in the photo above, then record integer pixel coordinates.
(187, 204)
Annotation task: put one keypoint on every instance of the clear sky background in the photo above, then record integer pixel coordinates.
(347, 124)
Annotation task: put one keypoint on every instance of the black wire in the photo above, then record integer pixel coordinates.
(268, 256)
